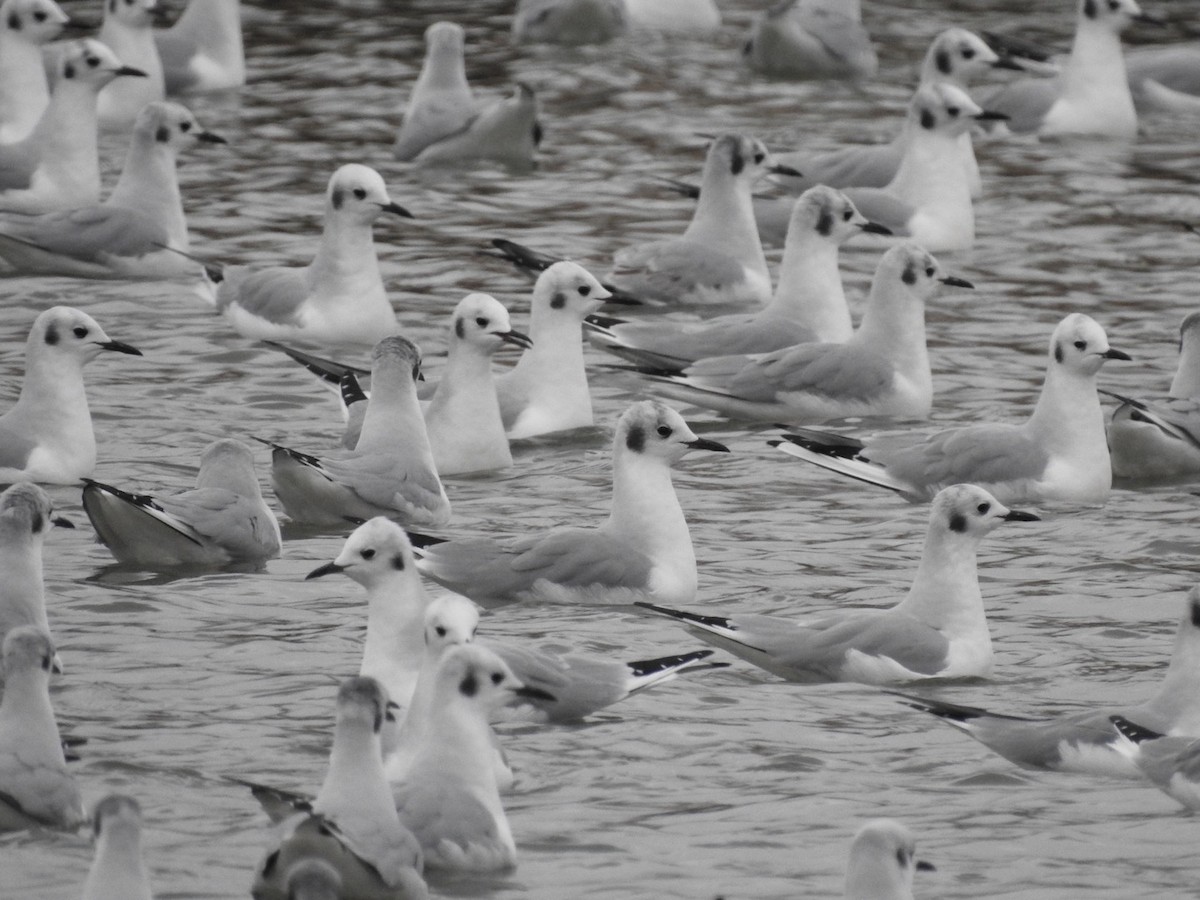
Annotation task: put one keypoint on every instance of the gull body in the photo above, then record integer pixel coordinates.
(692, 17)
(25, 26)
(203, 50)
(1172, 764)
(47, 435)
(138, 232)
(1165, 77)
(57, 166)
(812, 39)
(939, 630)
(117, 872)
(569, 22)
(504, 131)
(389, 472)
(719, 258)
(224, 519)
(881, 370)
(642, 550)
(339, 296)
(809, 303)
(882, 862)
(26, 514)
(35, 787)
(128, 31)
(441, 102)
(1088, 741)
(1159, 439)
(1058, 454)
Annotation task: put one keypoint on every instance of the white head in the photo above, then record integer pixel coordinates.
(63, 336)
(957, 56)
(1080, 347)
(313, 879)
(945, 109)
(357, 194)
(172, 127)
(395, 359)
(228, 464)
(970, 512)
(882, 862)
(481, 321)
(35, 21)
(26, 514)
(451, 619)
(132, 13)
(569, 290)
(913, 272)
(1115, 15)
(474, 677)
(117, 819)
(829, 214)
(738, 158)
(28, 649)
(362, 704)
(652, 430)
(444, 39)
(92, 63)
(376, 551)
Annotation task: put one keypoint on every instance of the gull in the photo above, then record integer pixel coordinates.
(1159, 439)
(1091, 97)
(692, 17)
(809, 303)
(939, 630)
(505, 131)
(1058, 454)
(339, 296)
(642, 550)
(35, 787)
(389, 472)
(449, 798)
(812, 39)
(353, 826)
(47, 435)
(719, 258)
(25, 25)
(929, 198)
(1172, 764)
(138, 232)
(117, 871)
(1088, 741)
(203, 51)
(466, 430)
(882, 370)
(882, 862)
(1165, 77)
(955, 57)
(224, 519)
(128, 31)
(568, 22)
(313, 879)
(57, 166)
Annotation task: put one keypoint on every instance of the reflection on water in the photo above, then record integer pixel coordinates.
(730, 783)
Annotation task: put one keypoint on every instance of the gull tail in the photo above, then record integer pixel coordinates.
(214, 272)
(328, 370)
(1134, 732)
(600, 334)
(420, 540)
(648, 672)
(138, 530)
(532, 262)
(839, 453)
(715, 624)
(277, 803)
(683, 188)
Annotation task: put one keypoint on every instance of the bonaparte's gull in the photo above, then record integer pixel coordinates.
(643, 549)
(939, 630)
(353, 825)
(389, 472)
(465, 428)
(1058, 454)
(57, 166)
(882, 370)
(719, 258)
(25, 25)
(223, 519)
(117, 872)
(505, 131)
(35, 787)
(203, 51)
(339, 296)
(1171, 763)
(1159, 439)
(882, 862)
(128, 31)
(138, 232)
(1088, 741)
(812, 39)
(47, 435)
(695, 17)
(569, 22)
(1165, 78)
(808, 305)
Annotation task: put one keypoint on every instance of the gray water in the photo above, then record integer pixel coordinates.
(732, 783)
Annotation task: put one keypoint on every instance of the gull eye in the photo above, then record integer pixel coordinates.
(983, 508)
(902, 858)
(47, 662)
(369, 553)
(39, 16)
(360, 193)
(952, 110)
(759, 157)
(79, 331)
(847, 216)
(1081, 345)
(481, 321)
(497, 677)
(185, 127)
(440, 630)
(92, 62)
(1114, 5)
(968, 53)
(930, 271)
(585, 290)
(664, 430)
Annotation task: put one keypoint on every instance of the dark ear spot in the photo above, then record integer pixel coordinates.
(14, 21)
(636, 439)
(1089, 9)
(1196, 613)
(737, 162)
(468, 686)
(1058, 352)
(112, 5)
(928, 120)
(942, 60)
(378, 720)
(460, 329)
(52, 335)
(39, 522)
(825, 223)
(558, 301)
(336, 198)
(68, 71)
(163, 134)
(958, 522)
(910, 274)
(398, 563)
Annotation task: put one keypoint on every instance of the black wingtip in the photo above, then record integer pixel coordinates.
(1136, 733)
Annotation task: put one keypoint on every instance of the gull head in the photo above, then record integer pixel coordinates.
(957, 56)
(132, 13)
(830, 215)
(357, 194)
(377, 551)
(228, 464)
(1112, 14)
(740, 159)
(569, 290)
(91, 62)
(946, 110)
(473, 676)
(450, 620)
(63, 336)
(171, 127)
(652, 430)
(35, 21)
(395, 355)
(481, 321)
(27, 649)
(313, 879)
(910, 271)
(971, 512)
(882, 861)
(117, 819)
(445, 39)
(362, 702)
(1079, 346)
(26, 514)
